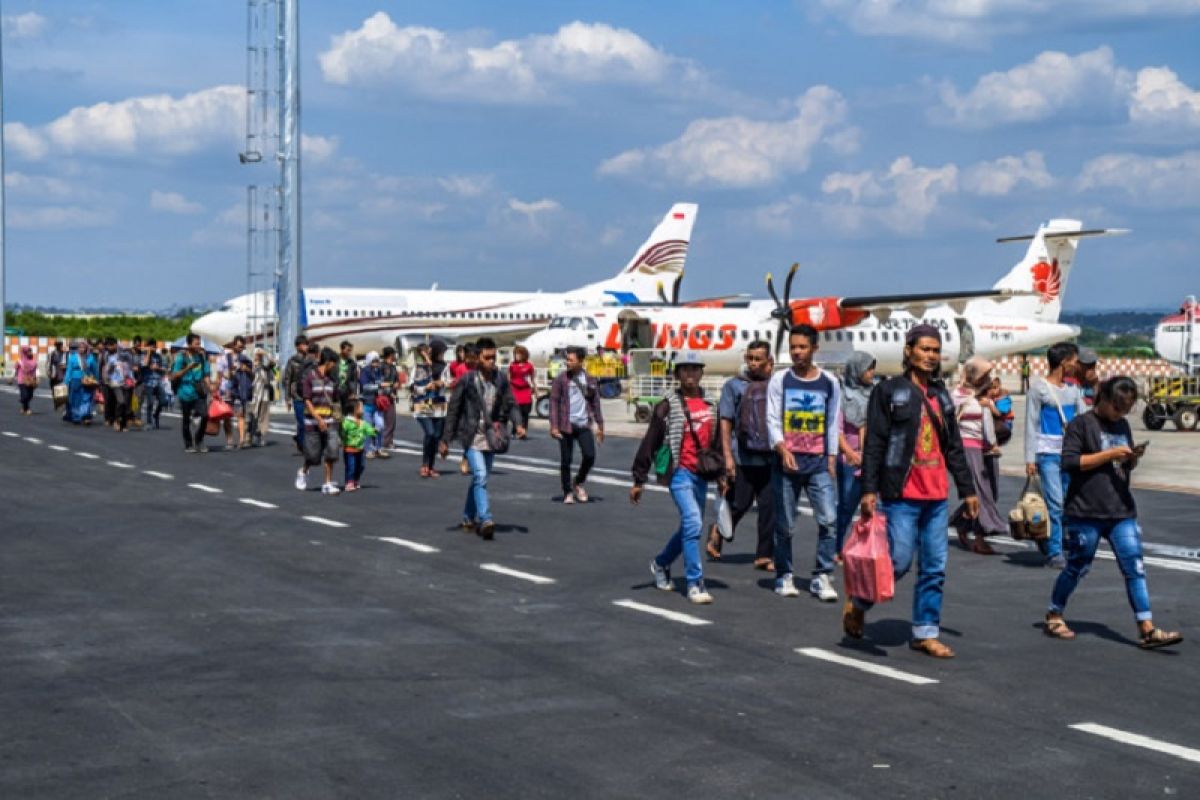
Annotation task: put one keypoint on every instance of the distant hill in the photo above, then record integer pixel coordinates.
(1117, 323)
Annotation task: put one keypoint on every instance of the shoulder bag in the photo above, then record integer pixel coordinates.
(710, 465)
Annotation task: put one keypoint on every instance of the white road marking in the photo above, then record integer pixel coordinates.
(12, 435)
(202, 487)
(1106, 555)
(675, 616)
(1137, 740)
(514, 573)
(333, 523)
(119, 464)
(420, 548)
(250, 501)
(874, 669)
(33, 440)
(160, 475)
(92, 456)
(59, 448)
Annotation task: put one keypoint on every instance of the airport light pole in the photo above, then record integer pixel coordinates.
(287, 292)
(3, 225)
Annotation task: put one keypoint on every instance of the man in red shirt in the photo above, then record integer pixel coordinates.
(912, 443)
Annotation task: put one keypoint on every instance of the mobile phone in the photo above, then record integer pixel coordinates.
(1141, 446)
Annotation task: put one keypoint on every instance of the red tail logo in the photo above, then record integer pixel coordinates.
(1047, 280)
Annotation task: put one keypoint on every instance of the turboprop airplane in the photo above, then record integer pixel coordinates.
(374, 318)
(1019, 313)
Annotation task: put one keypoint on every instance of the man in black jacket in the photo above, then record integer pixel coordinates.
(913, 446)
(293, 372)
(477, 417)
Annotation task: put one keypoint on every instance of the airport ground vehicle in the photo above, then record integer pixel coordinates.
(1175, 399)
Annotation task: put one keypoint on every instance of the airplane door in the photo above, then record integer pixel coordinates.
(966, 339)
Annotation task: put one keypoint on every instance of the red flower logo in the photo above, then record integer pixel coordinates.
(1047, 280)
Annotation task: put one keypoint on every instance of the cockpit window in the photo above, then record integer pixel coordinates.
(576, 323)
(591, 325)
(559, 322)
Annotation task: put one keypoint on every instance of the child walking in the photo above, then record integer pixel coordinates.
(355, 433)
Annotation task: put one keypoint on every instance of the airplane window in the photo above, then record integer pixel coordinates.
(862, 336)
(874, 337)
(592, 326)
(576, 323)
(949, 337)
(837, 335)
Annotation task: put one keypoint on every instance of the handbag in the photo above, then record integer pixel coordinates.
(867, 561)
(61, 393)
(219, 410)
(710, 465)
(383, 403)
(1034, 516)
(724, 519)
(494, 433)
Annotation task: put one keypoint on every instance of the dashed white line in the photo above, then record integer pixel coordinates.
(91, 456)
(12, 434)
(119, 464)
(250, 501)
(59, 448)
(1137, 740)
(33, 440)
(332, 523)
(516, 573)
(163, 476)
(674, 616)
(864, 666)
(420, 548)
(203, 487)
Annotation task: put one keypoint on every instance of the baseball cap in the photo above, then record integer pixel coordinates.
(1088, 356)
(689, 358)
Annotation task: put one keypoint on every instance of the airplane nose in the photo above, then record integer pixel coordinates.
(210, 326)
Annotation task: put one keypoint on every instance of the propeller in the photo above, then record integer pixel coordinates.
(662, 295)
(783, 309)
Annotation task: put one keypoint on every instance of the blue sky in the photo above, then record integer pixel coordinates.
(883, 145)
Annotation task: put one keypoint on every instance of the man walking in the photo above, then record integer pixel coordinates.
(574, 414)
(912, 446)
(1050, 406)
(293, 371)
(802, 422)
(189, 375)
(347, 378)
(322, 414)
(1025, 370)
(477, 415)
(385, 401)
(746, 444)
(153, 393)
(56, 365)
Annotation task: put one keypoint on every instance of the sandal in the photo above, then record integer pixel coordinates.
(1157, 637)
(765, 564)
(424, 471)
(713, 546)
(931, 647)
(1056, 628)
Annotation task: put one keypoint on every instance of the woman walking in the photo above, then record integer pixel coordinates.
(522, 378)
(261, 396)
(82, 379)
(683, 423)
(976, 423)
(428, 395)
(26, 378)
(1099, 455)
(858, 377)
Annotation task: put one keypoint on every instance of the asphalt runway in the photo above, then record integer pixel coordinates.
(192, 626)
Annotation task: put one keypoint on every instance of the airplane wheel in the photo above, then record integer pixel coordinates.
(542, 408)
(1186, 418)
(1152, 419)
(641, 414)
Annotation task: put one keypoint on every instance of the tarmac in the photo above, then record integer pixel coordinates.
(181, 626)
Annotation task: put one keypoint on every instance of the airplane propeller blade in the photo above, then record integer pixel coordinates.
(676, 288)
(663, 295)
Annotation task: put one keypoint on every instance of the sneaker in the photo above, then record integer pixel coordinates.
(662, 577)
(487, 530)
(698, 594)
(467, 525)
(821, 587)
(201, 449)
(568, 499)
(302, 481)
(1057, 562)
(370, 456)
(786, 586)
(581, 494)
(330, 488)
(189, 449)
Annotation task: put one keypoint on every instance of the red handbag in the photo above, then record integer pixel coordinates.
(219, 410)
(383, 402)
(868, 561)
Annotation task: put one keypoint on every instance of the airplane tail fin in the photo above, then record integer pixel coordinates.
(1045, 268)
(658, 262)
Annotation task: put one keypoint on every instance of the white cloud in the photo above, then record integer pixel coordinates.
(29, 25)
(739, 152)
(1171, 181)
(24, 142)
(1161, 98)
(60, 217)
(534, 208)
(39, 187)
(317, 149)
(466, 66)
(466, 185)
(1000, 177)
(153, 125)
(226, 229)
(1050, 84)
(174, 203)
(971, 23)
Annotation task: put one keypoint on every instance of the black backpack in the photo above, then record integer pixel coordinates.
(751, 424)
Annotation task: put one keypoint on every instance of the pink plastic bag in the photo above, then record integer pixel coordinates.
(868, 563)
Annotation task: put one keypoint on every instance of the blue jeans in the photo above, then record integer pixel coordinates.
(298, 410)
(431, 429)
(476, 508)
(1054, 489)
(823, 499)
(1083, 537)
(849, 496)
(689, 491)
(371, 443)
(918, 528)
(355, 464)
(153, 399)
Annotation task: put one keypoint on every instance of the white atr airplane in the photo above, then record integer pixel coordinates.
(372, 319)
(1019, 313)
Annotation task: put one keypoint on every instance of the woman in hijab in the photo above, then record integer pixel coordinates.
(26, 377)
(858, 376)
(974, 412)
(430, 379)
(82, 379)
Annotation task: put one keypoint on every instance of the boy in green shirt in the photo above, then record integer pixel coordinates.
(355, 432)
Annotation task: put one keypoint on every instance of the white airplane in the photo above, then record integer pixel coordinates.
(372, 319)
(1018, 314)
(1177, 337)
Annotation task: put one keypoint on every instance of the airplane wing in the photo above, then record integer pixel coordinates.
(907, 302)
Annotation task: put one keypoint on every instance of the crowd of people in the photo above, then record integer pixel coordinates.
(853, 445)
